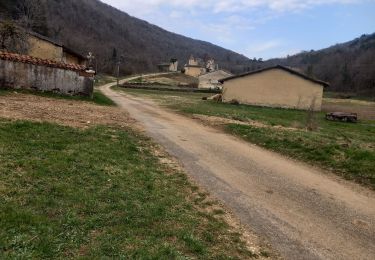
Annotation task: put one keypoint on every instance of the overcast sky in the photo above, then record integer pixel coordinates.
(259, 28)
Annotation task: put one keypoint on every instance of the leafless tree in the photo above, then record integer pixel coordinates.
(13, 38)
(311, 120)
(31, 15)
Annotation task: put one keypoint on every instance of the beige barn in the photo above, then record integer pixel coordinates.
(276, 86)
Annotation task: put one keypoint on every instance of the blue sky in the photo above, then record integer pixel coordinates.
(259, 28)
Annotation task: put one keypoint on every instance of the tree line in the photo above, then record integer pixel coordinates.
(348, 67)
(114, 36)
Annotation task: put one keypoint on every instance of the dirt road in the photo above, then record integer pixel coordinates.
(303, 213)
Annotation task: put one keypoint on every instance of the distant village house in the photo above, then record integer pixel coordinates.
(171, 66)
(276, 86)
(210, 80)
(211, 66)
(195, 67)
(207, 72)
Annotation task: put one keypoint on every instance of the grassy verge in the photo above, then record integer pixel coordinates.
(341, 152)
(101, 99)
(101, 193)
(346, 149)
(98, 98)
(103, 79)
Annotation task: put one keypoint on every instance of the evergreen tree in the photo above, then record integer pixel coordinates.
(114, 54)
(310, 70)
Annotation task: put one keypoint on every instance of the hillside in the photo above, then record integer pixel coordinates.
(90, 25)
(349, 67)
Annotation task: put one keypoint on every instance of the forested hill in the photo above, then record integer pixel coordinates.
(90, 25)
(348, 67)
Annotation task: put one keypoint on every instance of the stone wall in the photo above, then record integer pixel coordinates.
(21, 75)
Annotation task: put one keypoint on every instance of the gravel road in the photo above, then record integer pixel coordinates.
(303, 212)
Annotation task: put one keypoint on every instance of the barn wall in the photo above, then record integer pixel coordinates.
(45, 50)
(274, 88)
(72, 59)
(20, 75)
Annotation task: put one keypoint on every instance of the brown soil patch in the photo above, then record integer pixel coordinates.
(364, 109)
(220, 121)
(80, 114)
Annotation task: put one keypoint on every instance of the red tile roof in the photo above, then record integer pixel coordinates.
(41, 62)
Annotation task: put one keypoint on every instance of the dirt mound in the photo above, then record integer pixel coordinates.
(79, 114)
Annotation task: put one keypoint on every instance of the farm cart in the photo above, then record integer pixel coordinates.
(343, 117)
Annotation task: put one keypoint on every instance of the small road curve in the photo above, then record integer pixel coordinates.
(302, 212)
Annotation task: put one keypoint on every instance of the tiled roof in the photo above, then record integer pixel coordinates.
(41, 62)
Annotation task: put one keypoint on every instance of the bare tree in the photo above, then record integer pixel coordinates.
(13, 38)
(311, 121)
(31, 15)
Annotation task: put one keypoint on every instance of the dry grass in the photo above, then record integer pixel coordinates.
(18, 106)
(174, 79)
(364, 109)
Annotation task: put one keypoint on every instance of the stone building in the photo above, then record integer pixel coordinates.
(210, 80)
(171, 66)
(45, 48)
(211, 66)
(27, 72)
(195, 67)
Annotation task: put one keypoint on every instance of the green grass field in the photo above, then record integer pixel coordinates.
(101, 193)
(346, 149)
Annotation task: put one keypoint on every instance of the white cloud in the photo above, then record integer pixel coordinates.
(229, 23)
(265, 46)
(259, 49)
(223, 6)
(176, 14)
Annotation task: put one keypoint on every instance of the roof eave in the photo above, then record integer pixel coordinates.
(70, 51)
(324, 84)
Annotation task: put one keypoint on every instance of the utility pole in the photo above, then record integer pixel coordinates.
(120, 60)
(118, 73)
